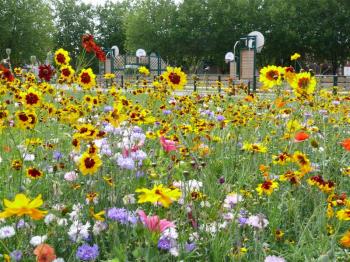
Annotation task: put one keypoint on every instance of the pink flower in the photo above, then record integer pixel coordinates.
(168, 145)
(153, 223)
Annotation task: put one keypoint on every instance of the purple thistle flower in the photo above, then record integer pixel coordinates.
(87, 253)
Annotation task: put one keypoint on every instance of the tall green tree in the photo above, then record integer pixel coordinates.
(110, 26)
(151, 26)
(72, 19)
(26, 27)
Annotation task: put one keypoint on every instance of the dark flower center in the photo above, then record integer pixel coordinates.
(174, 78)
(89, 162)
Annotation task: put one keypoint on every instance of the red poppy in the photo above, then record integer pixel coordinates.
(45, 72)
(301, 136)
(346, 144)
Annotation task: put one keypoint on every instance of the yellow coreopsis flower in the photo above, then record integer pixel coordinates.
(267, 187)
(175, 77)
(304, 84)
(293, 126)
(271, 76)
(23, 206)
(61, 57)
(343, 214)
(143, 70)
(31, 98)
(89, 163)
(86, 78)
(67, 72)
(159, 194)
(255, 147)
(296, 56)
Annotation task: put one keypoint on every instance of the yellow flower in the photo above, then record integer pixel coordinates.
(175, 78)
(143, 70)
(304, 84)
(23, 206)
(267, 187)
(159, 194)
(293, 126)
(67, 72)
(296, 56)
(31, 98)
(109, 76)
(89, 163)
(256, 147)
(97, 216)
(345, 240)
(34, 173)
(271, 76)
(61, 57)
(86, 79)
(343, 214)
(26, 119)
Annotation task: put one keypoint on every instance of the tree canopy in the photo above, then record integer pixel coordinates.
(188, 33)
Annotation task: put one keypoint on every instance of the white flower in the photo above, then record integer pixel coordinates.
(7, 232)
(129, 199)
(28, 157)
(37, 240)
(174, 251)
(257, 221)
(170, 232)
(62, 222)
(78, 231)
(98, 227)
(0, 159)
(58, 260)
(70, 176)
(274, 259)
(231, 200)
(49, 218)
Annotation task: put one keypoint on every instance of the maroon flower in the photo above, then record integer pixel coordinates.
(6, 74)
(45, 72)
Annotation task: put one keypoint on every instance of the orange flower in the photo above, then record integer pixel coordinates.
(346, 144)
(301, 136)
(44, 253)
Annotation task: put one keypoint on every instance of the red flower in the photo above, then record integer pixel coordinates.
(45, 72)
(5, 73)
(301, 136)
(90, 46)
(346, 144)
(88, 42)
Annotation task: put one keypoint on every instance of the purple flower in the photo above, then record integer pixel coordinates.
(57, 155)
(108, 109)
(242, 220)
(190, 246)
(220, 118)
(118, 214)
(121, 215)
(221, 180)
(16, 255)
(164, 244)
(166, 112)
(87, 253)
(126, 162)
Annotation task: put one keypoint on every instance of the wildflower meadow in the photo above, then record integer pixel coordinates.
(95, 172)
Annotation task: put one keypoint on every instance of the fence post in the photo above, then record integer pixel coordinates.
(194, 85)
(248, 90)
(122, 80)
(219, 83)
(137, 81)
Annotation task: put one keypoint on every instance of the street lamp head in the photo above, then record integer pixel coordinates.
(115, 50)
